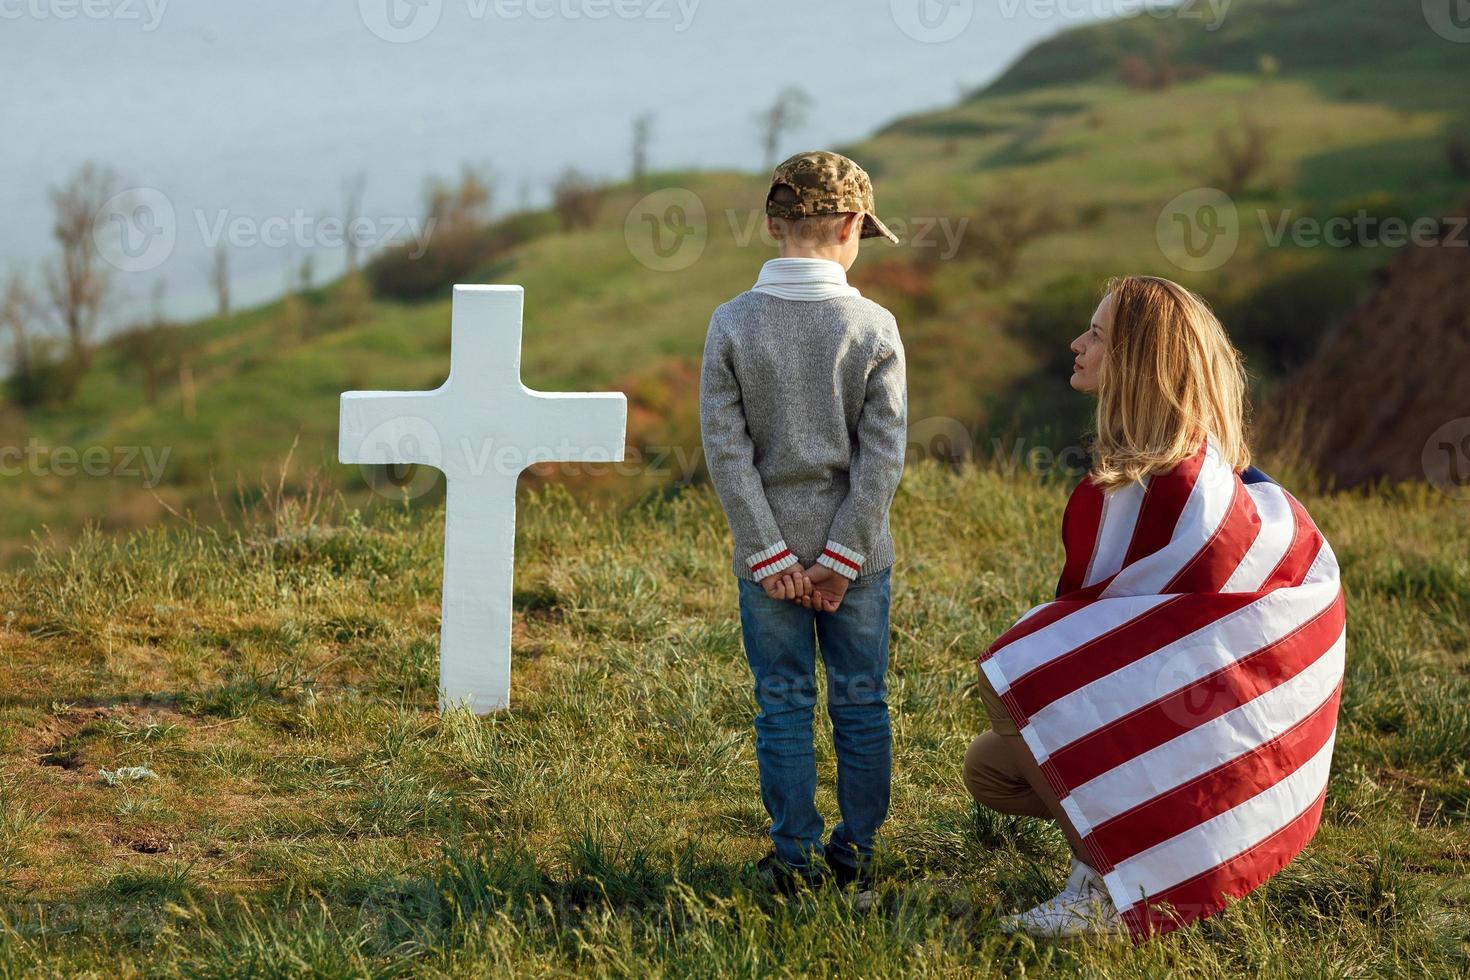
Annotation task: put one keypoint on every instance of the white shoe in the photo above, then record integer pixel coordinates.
(1082, 908)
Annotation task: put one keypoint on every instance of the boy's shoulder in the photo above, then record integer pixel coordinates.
(859, 311)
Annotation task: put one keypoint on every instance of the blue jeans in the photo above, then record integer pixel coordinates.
(781, 644)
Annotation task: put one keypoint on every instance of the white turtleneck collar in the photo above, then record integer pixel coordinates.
(807, 280)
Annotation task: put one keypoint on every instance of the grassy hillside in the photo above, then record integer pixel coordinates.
(312, 814)
(1358, 100)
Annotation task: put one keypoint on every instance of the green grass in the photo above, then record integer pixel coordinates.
(314, 815)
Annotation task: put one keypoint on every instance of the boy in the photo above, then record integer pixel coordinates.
(803, 412)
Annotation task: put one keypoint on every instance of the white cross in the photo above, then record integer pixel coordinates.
(481, 428)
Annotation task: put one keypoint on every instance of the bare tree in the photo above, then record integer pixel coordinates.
(17, 306)
(642, 135)
(1155, 71)
(295, 314)
(17, 310)
(451, 242)
(219, 280)
(77, 282)
(1242, 154)
(352, 191)
(785, 114)
(458, 207)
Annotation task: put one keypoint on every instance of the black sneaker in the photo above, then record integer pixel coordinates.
(780, 878)
(847, 867)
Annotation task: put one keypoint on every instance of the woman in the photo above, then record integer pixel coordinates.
(1174, 708)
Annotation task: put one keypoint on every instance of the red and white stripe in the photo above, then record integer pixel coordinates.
(841, 559)
(769, 561)
(1181, 692)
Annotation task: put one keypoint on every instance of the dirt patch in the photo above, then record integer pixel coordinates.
(55, 739)
(61, 740)
(141, 841)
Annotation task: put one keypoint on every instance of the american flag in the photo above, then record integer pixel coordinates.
(1181, 691)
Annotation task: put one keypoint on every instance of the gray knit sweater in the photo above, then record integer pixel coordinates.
(803, 412)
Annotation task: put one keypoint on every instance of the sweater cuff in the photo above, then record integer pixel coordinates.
(776, 558)
(843, 561)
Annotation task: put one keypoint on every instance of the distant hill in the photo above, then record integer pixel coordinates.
(1326, 37)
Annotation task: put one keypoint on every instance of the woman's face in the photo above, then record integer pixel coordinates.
(1090, 346)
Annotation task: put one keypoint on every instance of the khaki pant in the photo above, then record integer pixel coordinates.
(1001, 773)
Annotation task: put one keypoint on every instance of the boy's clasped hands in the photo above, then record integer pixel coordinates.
(817, 587)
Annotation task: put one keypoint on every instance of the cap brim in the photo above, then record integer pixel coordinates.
(873, 228)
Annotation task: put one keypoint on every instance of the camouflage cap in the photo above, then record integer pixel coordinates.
(826, 183)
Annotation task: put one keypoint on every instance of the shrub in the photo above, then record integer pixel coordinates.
(905, 287)
(1000, 232)
(577, 200)
(456, 242)
(1241, 154)
(44, 377)
(404, 272)
(154, 350)
(351, 301)
(1457, 155)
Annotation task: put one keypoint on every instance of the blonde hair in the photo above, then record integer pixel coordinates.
(1169, 378)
